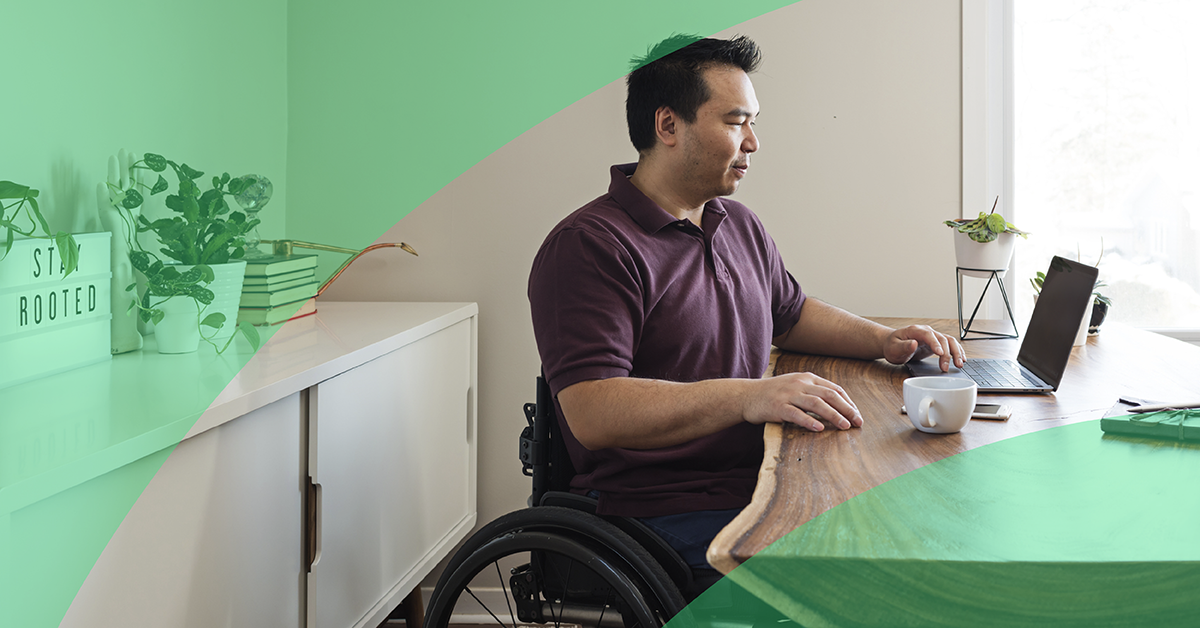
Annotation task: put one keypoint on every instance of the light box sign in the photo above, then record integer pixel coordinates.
(49, 323)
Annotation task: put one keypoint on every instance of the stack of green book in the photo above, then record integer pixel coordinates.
(275, 286)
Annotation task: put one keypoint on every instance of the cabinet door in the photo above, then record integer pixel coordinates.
(391, 452)
(215, 539)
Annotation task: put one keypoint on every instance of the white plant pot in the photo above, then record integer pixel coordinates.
(179, 329)
(227, 291)
(983, 257)
(1082, 335)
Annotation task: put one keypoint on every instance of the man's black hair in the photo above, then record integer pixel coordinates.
(671, 75)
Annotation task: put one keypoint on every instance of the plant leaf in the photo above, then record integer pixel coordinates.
(996, 223)
(159, 186)
(206, 273)
(133, 199)
(140, 260)
(157, 316)
(8, 242)
(155, 162)
(201, 294)
(189, 172)
(9, 189)
(68, 251)
(239, 185)
(214, 320)
(251, 334)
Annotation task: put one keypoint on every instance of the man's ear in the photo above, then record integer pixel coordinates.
(665, 126)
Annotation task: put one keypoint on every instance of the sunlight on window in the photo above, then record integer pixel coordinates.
(1107, 150)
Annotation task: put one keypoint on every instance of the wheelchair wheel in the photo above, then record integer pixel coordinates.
(556, 566)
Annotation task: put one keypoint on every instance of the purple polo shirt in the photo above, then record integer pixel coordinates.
(620, 288)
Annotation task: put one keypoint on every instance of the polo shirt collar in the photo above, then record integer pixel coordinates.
(644, 211)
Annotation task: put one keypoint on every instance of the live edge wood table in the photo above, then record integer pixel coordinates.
(1039, 520)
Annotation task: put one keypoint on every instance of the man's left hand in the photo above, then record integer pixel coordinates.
(917, 342)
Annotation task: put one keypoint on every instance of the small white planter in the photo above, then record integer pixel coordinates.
(1081, 336)
(227, 291)
(983, 258)
(179, 329)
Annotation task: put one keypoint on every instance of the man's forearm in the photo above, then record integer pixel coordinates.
(648, 414)
(824, 329)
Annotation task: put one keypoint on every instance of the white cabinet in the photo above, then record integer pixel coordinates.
(352, 434)
(215, 538)
(391, 456)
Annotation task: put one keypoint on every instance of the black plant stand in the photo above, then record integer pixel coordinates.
(963, 330)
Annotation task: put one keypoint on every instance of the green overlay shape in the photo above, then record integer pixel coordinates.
(386, 102)
(1062, 527)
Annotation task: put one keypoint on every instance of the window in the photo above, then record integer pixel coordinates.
(1105, 122)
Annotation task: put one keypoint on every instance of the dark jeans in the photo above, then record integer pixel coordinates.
(689, 534)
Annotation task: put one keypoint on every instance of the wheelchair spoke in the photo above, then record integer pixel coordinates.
(600, 622)
(472, 593)
(500, 579)
(562, 604)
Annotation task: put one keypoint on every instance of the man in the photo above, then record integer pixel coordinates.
(655, 305)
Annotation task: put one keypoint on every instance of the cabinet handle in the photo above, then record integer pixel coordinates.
(470, 414)
(313, 540)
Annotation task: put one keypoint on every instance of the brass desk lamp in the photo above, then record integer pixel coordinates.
(285, 247)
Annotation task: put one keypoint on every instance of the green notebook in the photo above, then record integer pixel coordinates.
(276, 286)
(279, 264)
(290, 295)
(271, 281)
(1169, 424)
(278, 314)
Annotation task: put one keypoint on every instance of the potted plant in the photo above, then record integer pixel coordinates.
(204, 243)
(25, 198)
(1100, 302)
(984, 244)
(1100, 306)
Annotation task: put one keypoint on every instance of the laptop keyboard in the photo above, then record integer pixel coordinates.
(998, 374)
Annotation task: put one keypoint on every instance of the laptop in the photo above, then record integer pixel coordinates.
(1048, 339)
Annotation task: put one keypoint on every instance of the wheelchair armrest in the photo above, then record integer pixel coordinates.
(569, 500)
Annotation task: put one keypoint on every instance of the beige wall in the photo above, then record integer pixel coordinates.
(860, 163)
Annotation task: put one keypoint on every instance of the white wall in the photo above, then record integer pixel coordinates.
(860, 163)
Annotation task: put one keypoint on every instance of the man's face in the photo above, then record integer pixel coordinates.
(715, 149)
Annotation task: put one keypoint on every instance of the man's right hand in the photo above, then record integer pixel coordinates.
(791, 398)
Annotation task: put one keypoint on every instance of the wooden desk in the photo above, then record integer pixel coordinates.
(986, 535)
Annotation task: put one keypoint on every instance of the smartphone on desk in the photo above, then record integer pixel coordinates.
(991, 411)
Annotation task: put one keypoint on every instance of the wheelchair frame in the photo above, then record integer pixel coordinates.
(632, 576)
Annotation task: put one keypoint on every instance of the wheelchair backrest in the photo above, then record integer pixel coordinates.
(543, 453)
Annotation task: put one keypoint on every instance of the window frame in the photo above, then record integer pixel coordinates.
(987, 123)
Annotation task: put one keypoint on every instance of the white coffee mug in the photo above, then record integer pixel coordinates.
(939, 405)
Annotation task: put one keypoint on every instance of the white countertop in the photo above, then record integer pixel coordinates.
(60, 431)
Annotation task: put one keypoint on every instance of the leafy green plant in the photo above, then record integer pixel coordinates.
(25, 198)
(205, 232)
(987, 227)
(1097, 297)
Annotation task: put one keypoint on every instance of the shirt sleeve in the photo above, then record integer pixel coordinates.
(787, 298)
(585, 296)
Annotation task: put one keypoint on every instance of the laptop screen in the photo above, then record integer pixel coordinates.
(1056, 318)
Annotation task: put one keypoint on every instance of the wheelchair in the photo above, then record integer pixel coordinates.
(557, 561)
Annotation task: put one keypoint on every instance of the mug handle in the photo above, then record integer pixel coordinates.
(926, 418)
